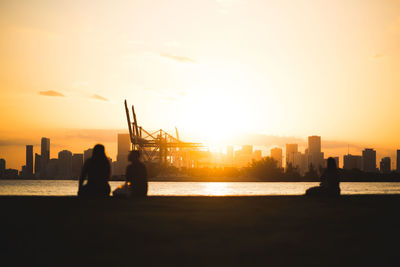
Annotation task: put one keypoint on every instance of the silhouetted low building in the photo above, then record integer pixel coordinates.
(10, 174)
(2, 167)
(352, 162)
(52, 169)
(398, 161)
(77, 163)
(385, 165)
(87, 154)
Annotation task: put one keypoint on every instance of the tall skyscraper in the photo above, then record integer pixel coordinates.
(2, 167)
(44, 156)
(124, 146)
(369, 160)
(45, 149)
(291, 151)
(65, 164)
(351, 162)
(385, 165)
(29, 160)
(276, 154)
(314, 144)
(398, 161)
(315, 156)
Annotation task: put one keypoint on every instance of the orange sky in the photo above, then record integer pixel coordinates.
(212, 68)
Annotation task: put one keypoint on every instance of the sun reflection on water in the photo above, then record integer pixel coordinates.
(216, 189)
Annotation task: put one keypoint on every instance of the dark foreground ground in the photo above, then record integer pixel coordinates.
(200, 231)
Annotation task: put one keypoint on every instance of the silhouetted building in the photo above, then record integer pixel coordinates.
(385, 165)
(87, 154)
(2, 167)
(44, 156)
(77, 163)
(398, 161)
(52, 169)
(351, 162)
(124, 146)
(229, 154)
(28, 172)
(10, 174)
(245, 155)
(247, 149)
(300, 162)
(291, 151)
(65, 164)
(37, 164)
(257, 155)
(315, 156)
(369, 160)
(276, 154)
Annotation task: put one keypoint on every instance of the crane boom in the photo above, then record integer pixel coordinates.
(129, 122)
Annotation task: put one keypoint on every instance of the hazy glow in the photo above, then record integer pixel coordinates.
(212, 68)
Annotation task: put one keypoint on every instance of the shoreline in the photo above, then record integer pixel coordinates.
(226, 180)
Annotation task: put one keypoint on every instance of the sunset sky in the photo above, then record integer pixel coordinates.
(215, 69)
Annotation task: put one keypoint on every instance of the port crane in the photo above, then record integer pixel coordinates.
(158, 145)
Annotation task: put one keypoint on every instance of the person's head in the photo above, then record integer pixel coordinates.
(134, 155)
(331, 164)
(99, 152)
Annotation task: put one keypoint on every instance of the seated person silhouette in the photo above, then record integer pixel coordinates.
(97, 171)
(329, 182)
(136, 178)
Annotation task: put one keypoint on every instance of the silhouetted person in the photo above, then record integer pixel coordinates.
(329, 182)
(136, 178)
(97, 171)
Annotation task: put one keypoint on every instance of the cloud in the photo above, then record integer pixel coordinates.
(99, 97)
(51, 93)
(18, 142)
(91, 135)
(179, 58)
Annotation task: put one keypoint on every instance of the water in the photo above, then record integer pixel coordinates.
(68, 188)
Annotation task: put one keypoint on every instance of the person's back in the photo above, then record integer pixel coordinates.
(97, 171)
(330, 180)
(136, 175)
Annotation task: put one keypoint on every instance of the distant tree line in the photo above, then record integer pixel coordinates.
(267, 170)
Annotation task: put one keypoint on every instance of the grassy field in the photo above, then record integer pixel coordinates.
(200, 231)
